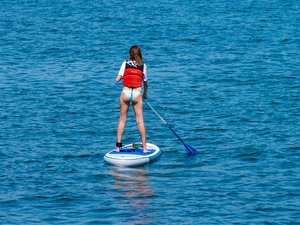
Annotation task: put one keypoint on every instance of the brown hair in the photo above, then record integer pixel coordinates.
(136, 55)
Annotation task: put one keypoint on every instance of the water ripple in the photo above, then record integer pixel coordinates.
(225, 75)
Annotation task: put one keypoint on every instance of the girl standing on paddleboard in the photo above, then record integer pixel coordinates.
(133, 74)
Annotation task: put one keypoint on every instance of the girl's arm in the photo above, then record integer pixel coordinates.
(118, 78)
(145, 89)
(121, 72)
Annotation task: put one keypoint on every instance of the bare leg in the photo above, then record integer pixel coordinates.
(138, 110)
(124, 105)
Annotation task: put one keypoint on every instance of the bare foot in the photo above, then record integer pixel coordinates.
(117, 149)
(145, 150)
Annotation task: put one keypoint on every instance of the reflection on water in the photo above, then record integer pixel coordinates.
(134, 191)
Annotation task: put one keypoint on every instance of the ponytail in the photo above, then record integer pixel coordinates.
(136, 55)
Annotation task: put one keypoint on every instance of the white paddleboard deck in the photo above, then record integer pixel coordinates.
(133, 155)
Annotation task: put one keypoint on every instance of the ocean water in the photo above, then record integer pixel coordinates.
(224, 74)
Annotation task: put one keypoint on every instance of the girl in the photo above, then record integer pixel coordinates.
(133, 74)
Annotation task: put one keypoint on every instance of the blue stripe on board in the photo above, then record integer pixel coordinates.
(133, 152)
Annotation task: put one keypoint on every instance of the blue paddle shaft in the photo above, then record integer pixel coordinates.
(188, 148)
(164, 122)
(179, 138)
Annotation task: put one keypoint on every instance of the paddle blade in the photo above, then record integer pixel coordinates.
(190, 150)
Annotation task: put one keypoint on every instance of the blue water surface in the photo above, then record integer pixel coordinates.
(224, 74)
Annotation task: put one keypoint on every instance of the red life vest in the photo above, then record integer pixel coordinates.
(133, 76)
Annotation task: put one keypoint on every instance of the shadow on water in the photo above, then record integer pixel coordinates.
(134, 193)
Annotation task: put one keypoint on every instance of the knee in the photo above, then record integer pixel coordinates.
(122, 121)
(140, 122)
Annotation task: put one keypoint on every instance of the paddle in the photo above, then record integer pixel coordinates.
(190, 150)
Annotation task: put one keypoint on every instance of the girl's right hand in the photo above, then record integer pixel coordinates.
(144, 95)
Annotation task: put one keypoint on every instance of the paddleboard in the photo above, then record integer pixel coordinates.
(132, 155)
